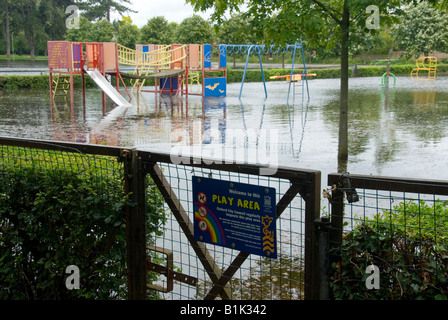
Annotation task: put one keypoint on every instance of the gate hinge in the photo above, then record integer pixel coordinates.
(167, 271)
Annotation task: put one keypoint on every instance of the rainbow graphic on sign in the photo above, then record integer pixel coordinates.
(208, 223)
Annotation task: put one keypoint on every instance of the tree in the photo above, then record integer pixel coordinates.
(315, 20)
(422, 29)
(98, 10)
(101, 31)
(52, 16)
(127, 33)
(82, 33)
(156, 31)
(235, 30)
(37, 20)
(31, 23)
(171, 32)
(195, 30)
(5, 7)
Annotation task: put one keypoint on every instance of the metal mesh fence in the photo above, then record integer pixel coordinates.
(71, 159)
(416, 213)
(59, 199)
(60, 209)
(398, 226)
(69, 197)
(258, 277)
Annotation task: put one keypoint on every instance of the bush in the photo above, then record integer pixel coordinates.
(59, 209)
(24, 82)
(37, 82)
(409, 245)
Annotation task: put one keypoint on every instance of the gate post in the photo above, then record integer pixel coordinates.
(337, 219)
(135, 226)
(337, 214)
(323, 234)
(311, 195)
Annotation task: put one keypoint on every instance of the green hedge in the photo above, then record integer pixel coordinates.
(36, 82)
(408, 244)
(59, 209)
(22, 82)
(233, 75)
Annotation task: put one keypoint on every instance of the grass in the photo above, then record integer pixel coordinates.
(21, 57)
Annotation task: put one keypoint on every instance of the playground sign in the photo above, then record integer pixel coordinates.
(59, 54)
(235, 215)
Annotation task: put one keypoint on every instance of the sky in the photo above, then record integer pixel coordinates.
(172, 10)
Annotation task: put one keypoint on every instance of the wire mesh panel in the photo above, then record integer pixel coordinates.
(392, 238)
(123, 221)
(61, 215)
(258, 277)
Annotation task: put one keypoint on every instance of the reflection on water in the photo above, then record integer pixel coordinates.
(397, 130)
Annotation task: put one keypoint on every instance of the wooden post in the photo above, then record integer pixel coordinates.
(136, 227)
(50, 78)
(311, 194)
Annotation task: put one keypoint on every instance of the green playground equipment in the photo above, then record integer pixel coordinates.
(385, 77)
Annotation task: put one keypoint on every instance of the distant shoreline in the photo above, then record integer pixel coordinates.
(38, 77)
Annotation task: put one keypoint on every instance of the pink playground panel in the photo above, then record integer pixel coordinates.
(194, 56)
(92, 55)
(102, 56)
(176, 55)
(110, 55)
(59, 55)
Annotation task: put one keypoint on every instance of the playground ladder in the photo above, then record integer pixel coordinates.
(296, 93)
(304, 78)
(194, 78)
(61, 86)
(142, 71)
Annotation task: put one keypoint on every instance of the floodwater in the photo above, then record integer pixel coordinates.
(13, 67)
(400, 130)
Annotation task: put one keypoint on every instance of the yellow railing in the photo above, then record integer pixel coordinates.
(148, 62)
(162, 58)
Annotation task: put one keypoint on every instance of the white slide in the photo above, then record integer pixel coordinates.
(108, 88)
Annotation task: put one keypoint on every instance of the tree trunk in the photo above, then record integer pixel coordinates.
(343, 104)
(108, 10)
(8, 44)
(32, 51)
(28, 29)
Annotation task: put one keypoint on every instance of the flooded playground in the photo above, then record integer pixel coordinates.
(393, 131)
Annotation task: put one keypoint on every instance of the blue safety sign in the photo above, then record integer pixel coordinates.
(235, 215)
